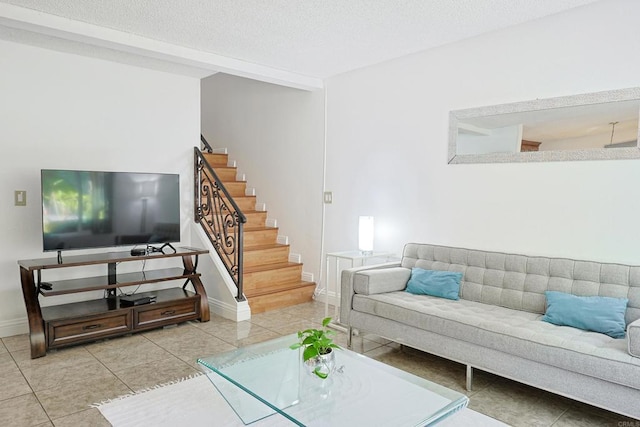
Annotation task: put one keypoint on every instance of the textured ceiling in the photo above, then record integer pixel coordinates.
(315, 38)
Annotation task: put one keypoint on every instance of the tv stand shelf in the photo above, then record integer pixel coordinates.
(61, 287)
(67, 324)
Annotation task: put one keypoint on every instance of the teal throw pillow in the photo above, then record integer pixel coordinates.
(592, 313)
(443, 284)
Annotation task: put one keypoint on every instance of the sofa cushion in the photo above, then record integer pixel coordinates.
(633, 332)
(516, 332)
(371, 282)
(591, 313)
(443, 284)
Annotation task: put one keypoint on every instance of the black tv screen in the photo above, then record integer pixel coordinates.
(89, 209)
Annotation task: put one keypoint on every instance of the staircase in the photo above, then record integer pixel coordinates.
(270, 281)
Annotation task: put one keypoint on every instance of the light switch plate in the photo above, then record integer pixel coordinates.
(328, 197)
(20, 198)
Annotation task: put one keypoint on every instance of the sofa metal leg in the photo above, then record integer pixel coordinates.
(469, 377)
(349, 337)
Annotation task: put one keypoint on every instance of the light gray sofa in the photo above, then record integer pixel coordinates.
(496, 324)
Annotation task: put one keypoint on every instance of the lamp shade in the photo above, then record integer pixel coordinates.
(365, 234)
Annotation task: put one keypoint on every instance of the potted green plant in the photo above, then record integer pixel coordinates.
(318, 347)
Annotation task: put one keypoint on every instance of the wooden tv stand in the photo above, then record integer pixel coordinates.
(74, 323)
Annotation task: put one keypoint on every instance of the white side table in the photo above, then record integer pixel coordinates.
(356, 259)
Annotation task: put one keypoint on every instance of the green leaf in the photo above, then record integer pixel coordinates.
(320, 374)
(326, 321)
(309, 353)
(309, 340)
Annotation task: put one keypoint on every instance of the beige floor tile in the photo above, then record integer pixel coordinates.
(61, 367)
(292, 326)
(359, 345)
(575, 418)
(443, 371)
(22, 411)
(7, 363)
(215, 320)
(124, 352)
(579, 412)
(440, 373)
(90, 417)
(17, 342)
(309, 311)
(162, 371)
(239, 334)
(69, 398)
(188, 343)
(255, 338)
(3, 349)
(13, 384)
(272, 319)
(62, 357)
(518, 405)
(376, 338)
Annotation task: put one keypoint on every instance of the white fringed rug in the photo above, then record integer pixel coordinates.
(196, 402)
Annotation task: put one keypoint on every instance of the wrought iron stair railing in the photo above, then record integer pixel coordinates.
(219, 215)
(205, 144)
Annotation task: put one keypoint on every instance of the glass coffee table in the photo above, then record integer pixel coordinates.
(269, 378)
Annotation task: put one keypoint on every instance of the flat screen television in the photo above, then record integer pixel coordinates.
(91, 209)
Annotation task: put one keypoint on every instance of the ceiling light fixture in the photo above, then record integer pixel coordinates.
(613, 129)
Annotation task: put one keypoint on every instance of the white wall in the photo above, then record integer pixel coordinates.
(63, 111)
(387, 133)
(276, 135)
(387, 144)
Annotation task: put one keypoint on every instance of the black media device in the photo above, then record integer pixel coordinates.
(138, 251)
(91, 209)
(132, 300)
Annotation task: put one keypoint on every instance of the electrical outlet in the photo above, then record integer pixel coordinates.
(328, 197)
(20, 198)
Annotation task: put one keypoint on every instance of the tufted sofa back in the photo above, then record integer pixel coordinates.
(519, 281)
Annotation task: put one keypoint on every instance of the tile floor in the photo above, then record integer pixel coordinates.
(58, 389)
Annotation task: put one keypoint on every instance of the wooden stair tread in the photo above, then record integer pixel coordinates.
(269, 267)
(281, 287)
(259, 228)
(267, 246)
(254, 212)
(217, 159)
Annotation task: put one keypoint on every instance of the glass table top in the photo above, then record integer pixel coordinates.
(268, 378)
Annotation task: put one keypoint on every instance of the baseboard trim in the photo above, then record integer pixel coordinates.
(297, 258)
(9, 328)
(237, 312)
(321, 296)
(283, 240)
